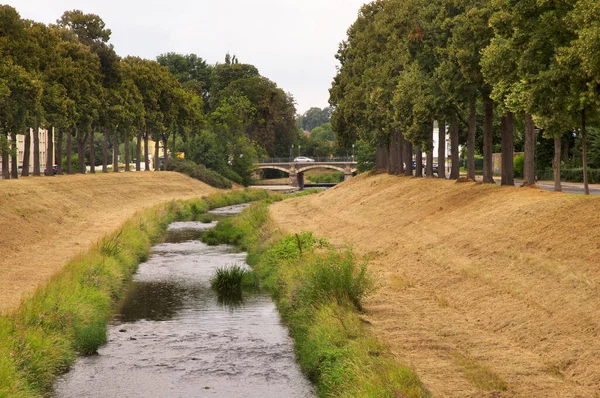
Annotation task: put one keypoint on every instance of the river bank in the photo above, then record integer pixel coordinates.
(485, 290)
(68, 315)
(320, 290)
(44, 222)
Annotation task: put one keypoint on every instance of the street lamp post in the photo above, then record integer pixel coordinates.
(353, 152)
(292, 152)
(299, 150)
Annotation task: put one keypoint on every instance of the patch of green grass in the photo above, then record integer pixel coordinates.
(319, 291)
(204, 219)
(330, 178)
(68, 316)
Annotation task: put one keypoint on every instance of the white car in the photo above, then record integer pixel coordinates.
(303, 159)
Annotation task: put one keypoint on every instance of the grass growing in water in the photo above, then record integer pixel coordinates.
(228, 280)
(319, 291)
(68, 316)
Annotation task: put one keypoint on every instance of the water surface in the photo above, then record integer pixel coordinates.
(172, 336)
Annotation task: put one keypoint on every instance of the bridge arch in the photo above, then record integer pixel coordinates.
(320, 166)
(280, 168)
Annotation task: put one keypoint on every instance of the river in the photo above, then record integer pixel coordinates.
(172, 337)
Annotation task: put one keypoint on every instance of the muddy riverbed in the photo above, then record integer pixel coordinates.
(172, 336)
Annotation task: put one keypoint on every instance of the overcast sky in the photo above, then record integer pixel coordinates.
(292, 42)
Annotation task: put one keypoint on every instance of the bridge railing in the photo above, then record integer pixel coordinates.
(315, 159)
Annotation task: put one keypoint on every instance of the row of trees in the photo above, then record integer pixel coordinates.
(68, 79)
(407, 63)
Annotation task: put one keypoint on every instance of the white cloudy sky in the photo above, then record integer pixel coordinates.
(292, 42)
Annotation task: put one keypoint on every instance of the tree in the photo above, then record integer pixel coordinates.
(521, 66)
(191, 71)
(20, 91)
(314, 117)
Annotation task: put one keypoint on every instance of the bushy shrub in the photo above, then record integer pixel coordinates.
(518, 162)
(199, 172)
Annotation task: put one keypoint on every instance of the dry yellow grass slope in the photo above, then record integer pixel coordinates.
(46, 221)
(485, 290)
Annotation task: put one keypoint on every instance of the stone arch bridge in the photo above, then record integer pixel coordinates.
(296, 169)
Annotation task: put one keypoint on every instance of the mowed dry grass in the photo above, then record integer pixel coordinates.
(44, 222)
(486, 291)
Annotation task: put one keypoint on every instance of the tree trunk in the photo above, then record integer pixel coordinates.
(127, 153)
(529, 160)
(36, 152)
(391, 167)
(105, 151)
(49, 152)
(408, 155)
(471, 140)
(156, 149)
(442, 149)
(565, 150)
(59, 151)
(508, 165)
(174, 142)
(14, 169)
(556, 164)
(166, 154)
(5, 158)
(115, 146)
(69, 143)
(92, 153)
(81, 140)
(138, 153)
(386, 155)
(586, 186)
(455, 170)
(488, 122)
(26, 154)
(378, 158)
(429, 164)
(418, 161)
(390, 154)
(400, 149)
(146, 160)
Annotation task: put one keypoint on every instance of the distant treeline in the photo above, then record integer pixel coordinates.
(67, 78)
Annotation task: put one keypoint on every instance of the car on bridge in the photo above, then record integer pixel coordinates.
(303, 159)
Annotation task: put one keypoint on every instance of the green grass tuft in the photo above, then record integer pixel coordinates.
(227, 280)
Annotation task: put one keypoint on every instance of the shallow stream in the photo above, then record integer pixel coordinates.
(172, 336)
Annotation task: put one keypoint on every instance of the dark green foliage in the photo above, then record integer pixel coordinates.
(199, 172)
(518, 161)
(365, 156)
(314, 117)
(570, 175)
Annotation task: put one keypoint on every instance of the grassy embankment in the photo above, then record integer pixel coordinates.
(319, 290)
(69, 315)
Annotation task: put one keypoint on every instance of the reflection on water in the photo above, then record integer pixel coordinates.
(173, 337)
